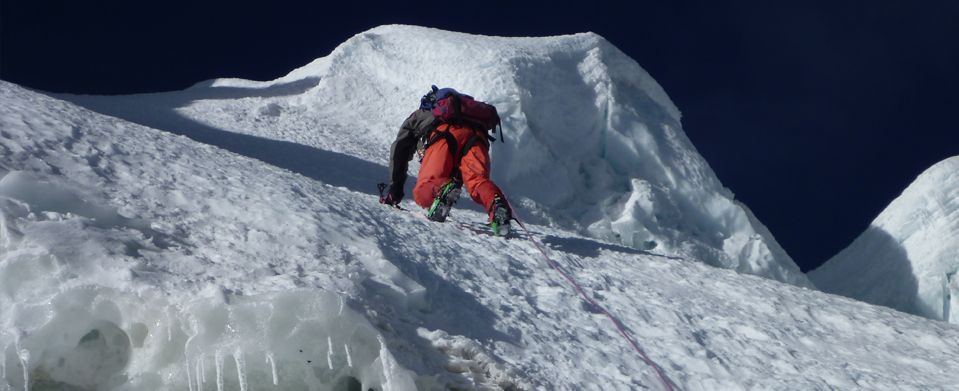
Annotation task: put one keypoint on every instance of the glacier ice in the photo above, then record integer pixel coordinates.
(909, 255)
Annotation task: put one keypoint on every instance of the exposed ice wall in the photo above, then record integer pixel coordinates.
(909, 256)
(593, 143)
(75, 317)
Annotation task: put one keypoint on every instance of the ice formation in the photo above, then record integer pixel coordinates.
(593, 143)
(908, 257)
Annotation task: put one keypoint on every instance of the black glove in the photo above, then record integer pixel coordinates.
(392, 196)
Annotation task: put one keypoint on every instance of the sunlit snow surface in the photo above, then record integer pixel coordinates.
(135, 259)
(593, 144)
(908, 259)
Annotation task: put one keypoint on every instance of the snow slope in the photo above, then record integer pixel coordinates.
(135, 259)
(908, 258)
(593, 144)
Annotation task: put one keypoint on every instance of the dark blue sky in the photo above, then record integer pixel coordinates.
(815, 113)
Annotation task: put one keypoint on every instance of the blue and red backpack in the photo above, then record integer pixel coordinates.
(451, 106)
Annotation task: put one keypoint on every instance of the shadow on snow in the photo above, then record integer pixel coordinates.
(883, 259)
(159, 111)
(591, 248)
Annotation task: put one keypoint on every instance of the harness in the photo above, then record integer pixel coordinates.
(479, 137)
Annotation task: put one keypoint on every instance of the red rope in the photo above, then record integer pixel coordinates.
(590, 301)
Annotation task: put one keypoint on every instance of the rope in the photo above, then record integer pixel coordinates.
(582, 293)
(589, 300)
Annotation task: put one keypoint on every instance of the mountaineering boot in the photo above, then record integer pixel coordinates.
(500, 216)
(448, 195)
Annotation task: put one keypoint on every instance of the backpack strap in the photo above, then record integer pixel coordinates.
(450, 142)
(470, 143)
(455, 151)
(457, 109)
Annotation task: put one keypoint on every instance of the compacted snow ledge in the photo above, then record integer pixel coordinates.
(100, 339)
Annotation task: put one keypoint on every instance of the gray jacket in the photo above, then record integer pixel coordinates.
(408, 140)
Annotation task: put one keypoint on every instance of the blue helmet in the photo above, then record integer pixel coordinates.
(435, 94)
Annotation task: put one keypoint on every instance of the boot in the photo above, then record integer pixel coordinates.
(443, 203)
(500, 216)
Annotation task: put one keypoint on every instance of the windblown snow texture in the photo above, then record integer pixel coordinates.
(593, 144)
(908, 258)
(132, 258)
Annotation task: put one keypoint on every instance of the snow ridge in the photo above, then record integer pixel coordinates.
(908, 258)
(593, 143)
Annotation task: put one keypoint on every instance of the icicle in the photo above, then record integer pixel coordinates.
(948, 286)
(186, 355)
(269, 360)
(387, 373)
(24, 356)
(329, 352)
(202, 371)
(169, 328)
(349, 359)
(240, 368)
(199, 373)
(189, 372)
(219, 370)
(945, 298)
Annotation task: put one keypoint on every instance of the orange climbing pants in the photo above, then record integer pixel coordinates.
(438, 164)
